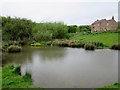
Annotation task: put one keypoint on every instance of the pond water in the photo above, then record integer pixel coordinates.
(55, 67)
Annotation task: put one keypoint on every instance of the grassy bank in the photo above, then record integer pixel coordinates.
(0, 78)
(107, 38)
(115, 86)
(100, 40)
(10, 79)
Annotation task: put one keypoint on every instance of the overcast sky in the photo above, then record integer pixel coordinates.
(79, 12)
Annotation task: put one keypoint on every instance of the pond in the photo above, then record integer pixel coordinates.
(55, 67)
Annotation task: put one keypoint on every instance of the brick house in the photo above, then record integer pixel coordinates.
(104, 25)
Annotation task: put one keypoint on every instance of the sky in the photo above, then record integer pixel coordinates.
(71, 12)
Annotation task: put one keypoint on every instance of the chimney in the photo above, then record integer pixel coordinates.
(112, 17)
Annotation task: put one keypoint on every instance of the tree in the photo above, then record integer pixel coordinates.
(16, 28)
(48, 31)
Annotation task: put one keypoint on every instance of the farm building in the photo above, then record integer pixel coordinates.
(104, 25)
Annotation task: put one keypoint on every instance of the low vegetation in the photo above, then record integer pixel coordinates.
(14, 48)
(39, 44)
(0, 77)
(89, 46)
(115, 47)
(115, 86)
(76, 44)
(11, 78)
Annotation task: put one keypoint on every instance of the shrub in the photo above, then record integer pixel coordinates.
(80, 44)
(68, 43)
(36, 44)
(115, 47)
(22, 42)
(17, 70)
(97, 44)
(49, 43)
(27, 75)
(89, 47)
(11, 66)
(14, 48)
(72, 29)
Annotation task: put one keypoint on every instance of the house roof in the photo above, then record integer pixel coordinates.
(103, 21)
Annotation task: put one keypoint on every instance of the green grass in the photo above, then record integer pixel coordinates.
(107, 38)
(115, 86)
(13, 80)
(0, 78)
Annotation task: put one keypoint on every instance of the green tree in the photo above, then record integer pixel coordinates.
(16, 28)
(72, 29)
(48, 31)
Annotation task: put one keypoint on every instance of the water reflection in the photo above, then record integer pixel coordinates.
(30, 54)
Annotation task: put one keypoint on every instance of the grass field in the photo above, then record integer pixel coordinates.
(107, 38)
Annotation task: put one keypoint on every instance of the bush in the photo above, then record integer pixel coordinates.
(27, 75)
(89, 47)
(72, 29)
(22, 42)
(36, 44)
(68, 43)
(49, 43)
(115, 47)
(11, 66)
(84, 28)
(98, 44)
(14, 48)
(17, 70)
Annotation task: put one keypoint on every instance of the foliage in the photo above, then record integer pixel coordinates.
(68, 43)
(16, 28)
(115, 86)
(89, 46)
(72, 29)
(17, 70)
(36, 44)
(98, 44)
(49, 31)
(14, 48)
(115, 46)
(84, 28)
(77, 29)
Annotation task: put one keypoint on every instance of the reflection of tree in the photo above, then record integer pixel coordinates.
(25, 55)
(51, 53)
